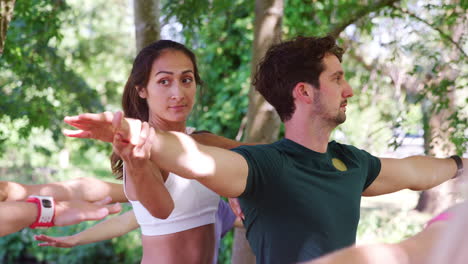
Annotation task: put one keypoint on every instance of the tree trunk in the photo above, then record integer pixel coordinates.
(262, 120)
(437, 137)
(147, 29)
(437, 143)
(6, 13)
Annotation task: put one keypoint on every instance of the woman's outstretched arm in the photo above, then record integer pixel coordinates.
(107, 229)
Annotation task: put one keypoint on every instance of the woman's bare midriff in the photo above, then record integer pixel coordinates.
(195, 246)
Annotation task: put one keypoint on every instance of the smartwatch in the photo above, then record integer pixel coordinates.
(45, 211)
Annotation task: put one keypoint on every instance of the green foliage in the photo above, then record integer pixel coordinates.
(222, 44)
(37, 85)
(64, 58)
(388, 225)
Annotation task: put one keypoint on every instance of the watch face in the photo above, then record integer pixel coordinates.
(46, 203)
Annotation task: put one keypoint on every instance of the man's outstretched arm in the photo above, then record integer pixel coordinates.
(223, 171)
(415, 173)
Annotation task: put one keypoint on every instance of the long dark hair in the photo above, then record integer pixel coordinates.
(133, 105)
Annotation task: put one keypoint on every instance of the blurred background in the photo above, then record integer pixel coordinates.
(406, 61)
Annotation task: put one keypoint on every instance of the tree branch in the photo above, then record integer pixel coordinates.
(442, 34)
(364, 11)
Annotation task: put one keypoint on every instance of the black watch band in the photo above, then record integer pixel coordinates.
(459, 163)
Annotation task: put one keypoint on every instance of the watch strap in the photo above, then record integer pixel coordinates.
(45, 211)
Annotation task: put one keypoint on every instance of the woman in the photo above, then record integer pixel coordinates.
(161, 92)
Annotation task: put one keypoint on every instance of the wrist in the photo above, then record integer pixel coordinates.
(45, 211)
(75, 240)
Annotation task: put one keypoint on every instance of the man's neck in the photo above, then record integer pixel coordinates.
(311, 134)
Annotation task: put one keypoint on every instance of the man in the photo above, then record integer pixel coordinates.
(301, 195)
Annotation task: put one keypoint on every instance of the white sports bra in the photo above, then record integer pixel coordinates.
(194, 206)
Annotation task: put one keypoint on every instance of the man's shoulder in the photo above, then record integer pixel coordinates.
(262, 147)
(262, 152)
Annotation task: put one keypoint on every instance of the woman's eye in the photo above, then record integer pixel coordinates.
(164, 82)
(187, 80)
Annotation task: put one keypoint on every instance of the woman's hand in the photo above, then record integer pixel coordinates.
(97, 126)
(103, 126)
(137, 151)
(60, 242)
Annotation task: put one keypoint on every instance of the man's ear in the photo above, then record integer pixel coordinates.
(303, 92)
(141, 92)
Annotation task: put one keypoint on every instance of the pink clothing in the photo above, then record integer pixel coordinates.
(441, 217)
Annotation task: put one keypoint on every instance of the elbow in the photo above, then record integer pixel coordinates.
(162, 212)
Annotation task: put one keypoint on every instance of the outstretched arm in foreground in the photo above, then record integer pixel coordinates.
(107, 229)
(15, 216)
(84, 188)
(414, 250)
(223, 171)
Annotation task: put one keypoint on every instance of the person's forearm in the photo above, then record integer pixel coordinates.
(107, 229)
(84, 188)
(15, 216)
(150, 190)
(431, 171)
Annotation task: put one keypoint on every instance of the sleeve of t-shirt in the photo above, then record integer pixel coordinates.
(263, 162)
(373, 165)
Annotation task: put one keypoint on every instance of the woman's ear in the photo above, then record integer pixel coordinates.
(141, 92)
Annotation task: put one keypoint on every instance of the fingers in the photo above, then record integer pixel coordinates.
(111, 208)
(95, 214)
(104, 201)
(114, 208)
(76, 133)
(52, 241)
(48, 241)
(141, 148)
(235, 206)
(105, 116)
(117, 120)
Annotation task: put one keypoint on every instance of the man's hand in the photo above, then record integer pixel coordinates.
(74, 212)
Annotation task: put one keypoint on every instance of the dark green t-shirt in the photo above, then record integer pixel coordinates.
(300, 204)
